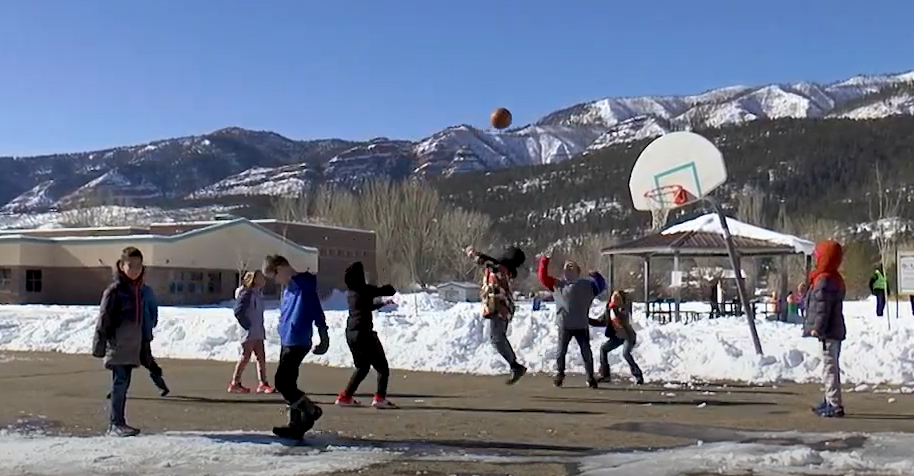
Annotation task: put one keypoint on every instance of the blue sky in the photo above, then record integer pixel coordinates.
(87, 74)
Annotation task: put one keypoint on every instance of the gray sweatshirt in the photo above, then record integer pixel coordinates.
(572, 302)
(249, 313)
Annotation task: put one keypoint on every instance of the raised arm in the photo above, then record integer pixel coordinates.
(542, 273)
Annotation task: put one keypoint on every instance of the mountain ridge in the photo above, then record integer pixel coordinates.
(267, 163)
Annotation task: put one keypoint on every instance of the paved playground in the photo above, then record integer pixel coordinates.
(458, 412)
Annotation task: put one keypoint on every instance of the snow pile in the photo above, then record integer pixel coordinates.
(423, 332)
(881, 454)
(177, 454)
(710, 223)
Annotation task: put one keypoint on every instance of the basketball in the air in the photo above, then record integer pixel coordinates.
(501, 118)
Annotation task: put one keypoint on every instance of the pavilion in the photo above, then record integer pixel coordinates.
(703, 237)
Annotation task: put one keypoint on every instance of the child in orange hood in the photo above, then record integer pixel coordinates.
(825, 321)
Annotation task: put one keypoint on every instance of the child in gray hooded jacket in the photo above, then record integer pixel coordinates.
(573, 296)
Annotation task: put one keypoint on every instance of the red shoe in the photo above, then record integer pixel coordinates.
(238, 388)
(347, 401)
(264, 388)
(382, 403)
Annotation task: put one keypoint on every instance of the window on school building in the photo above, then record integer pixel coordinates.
(6, 278)
(33, 281)
(214, 283)
(195, 282)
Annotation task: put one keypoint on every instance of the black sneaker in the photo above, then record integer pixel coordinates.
(558, 380)
(592, 383)
(604, 379)
(639, 380)
(516, 373)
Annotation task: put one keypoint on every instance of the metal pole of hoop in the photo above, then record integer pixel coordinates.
(737, 272)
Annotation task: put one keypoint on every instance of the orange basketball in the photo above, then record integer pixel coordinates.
(501, 118)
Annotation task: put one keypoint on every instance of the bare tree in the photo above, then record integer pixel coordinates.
(886, 210)
(750, 208)
(94, 209)
(456, 229)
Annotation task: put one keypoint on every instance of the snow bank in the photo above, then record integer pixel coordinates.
(881, 454)
(423, 332)
(176, 454)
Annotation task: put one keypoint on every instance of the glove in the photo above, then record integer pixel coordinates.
(324, 345)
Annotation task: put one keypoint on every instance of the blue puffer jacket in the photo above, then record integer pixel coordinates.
(150, 312)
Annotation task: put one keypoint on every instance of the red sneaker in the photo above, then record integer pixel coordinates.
(382, 403)
(238, 388)
(347, 401)
(264, 388)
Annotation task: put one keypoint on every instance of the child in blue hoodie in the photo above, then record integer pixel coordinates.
(299, 311)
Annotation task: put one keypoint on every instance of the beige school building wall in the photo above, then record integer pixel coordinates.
(197, 267)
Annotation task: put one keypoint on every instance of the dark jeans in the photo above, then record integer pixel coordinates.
(911, 298)
(498, 336)
(582, 337)
(611, 345)
(880, 302)
(367, 352)
(286, 379)
(120, 383)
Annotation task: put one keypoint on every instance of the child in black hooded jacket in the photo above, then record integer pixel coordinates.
(367, 352)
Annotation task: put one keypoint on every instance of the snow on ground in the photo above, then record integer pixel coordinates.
(881, 454)
(246, 453)
(109, 215)
(422, 332)
(176, 454)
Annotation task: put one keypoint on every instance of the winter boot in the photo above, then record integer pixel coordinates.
(517, 371)
(558, 380)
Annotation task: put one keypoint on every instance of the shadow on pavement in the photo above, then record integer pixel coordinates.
(323, 441)
(692, 402)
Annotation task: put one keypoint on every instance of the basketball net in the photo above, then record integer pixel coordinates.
(663, 200)
(659, 217)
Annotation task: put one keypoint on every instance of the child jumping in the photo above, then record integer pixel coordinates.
(367, 352)
(825, 321)
(249, 313)
(619, 330)
(498, 302)
(299, 311)
(573, 296)
(118, 337)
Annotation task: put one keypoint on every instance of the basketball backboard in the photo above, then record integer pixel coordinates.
(682, 162)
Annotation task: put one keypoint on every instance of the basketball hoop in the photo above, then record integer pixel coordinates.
(662, 201)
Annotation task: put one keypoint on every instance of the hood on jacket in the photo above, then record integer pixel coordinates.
(828, 255)
(121, 277)
(354, 276)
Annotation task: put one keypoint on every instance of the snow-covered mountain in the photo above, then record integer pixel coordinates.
(235, 161)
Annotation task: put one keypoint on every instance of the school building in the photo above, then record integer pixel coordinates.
(187, 263)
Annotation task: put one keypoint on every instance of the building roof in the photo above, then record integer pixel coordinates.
(461, 284)
(145, 229)
(218, 225)
(703, 237)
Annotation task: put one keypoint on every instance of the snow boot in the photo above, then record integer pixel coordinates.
(559, 380)
(517, 371)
